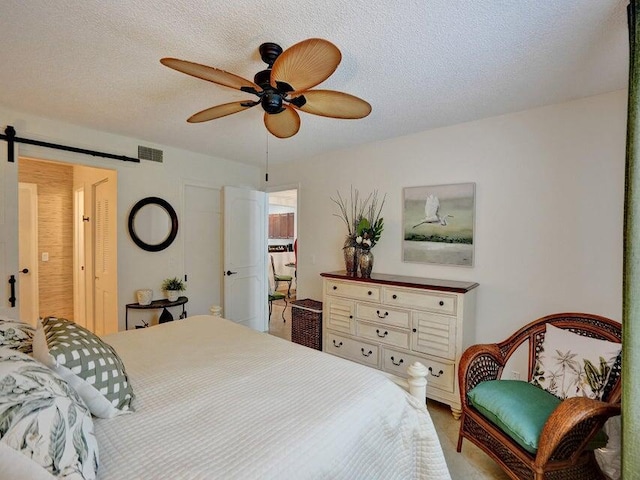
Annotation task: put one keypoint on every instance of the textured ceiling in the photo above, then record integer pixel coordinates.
(421, 64)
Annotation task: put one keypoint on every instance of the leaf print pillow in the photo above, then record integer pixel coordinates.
(44, 419)
(16, 335)
(572, 365)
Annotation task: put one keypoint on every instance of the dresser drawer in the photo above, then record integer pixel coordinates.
(358, 291)
(382, 314)
(338, 315)
(440, 374)
(383, 334)
(421, 299)
(434, 335)
(350, 349)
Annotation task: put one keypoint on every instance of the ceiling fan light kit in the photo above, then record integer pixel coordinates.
(283, 87)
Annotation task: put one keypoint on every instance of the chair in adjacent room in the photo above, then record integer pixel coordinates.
(281, 278)
(548, 427)
(277, 296)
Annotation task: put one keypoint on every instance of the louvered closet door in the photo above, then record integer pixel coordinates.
(105, 264)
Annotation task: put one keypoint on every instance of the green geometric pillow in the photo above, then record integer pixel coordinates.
(91, 366)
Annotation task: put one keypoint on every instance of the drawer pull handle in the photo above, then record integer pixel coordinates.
(369, 292)
(335, 287)
(366, 354)
(400, 362)
(394, 296)
(382, 316)
(350, 316)
(415, 330)
(433, 374)
(383, 335)
(337, 345)
(441, 303)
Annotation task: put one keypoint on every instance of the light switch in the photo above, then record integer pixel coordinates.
(45, 256)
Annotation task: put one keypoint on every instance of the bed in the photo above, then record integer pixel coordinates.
(216, 400)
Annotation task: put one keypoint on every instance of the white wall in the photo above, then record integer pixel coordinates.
(549, 208)
(136, 268)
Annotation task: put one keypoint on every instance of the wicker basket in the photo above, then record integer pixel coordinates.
(306, 323)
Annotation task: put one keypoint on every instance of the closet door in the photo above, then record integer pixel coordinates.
(202, 230)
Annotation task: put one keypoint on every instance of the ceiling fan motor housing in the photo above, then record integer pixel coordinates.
(262, 79)
(272, 102)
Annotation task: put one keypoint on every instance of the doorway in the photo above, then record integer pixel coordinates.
(282, 239)
(70, 201)
(28, 252)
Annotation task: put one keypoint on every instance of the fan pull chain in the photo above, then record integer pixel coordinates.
(266, 174)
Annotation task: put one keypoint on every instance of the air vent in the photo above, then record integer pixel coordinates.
(147, 153)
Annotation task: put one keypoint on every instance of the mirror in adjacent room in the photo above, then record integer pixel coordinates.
(153, 224)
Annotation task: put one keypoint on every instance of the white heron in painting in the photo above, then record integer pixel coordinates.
(431, 214)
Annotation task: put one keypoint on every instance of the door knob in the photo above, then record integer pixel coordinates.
(229, 272)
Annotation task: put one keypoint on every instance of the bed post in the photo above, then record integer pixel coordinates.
(418, 381)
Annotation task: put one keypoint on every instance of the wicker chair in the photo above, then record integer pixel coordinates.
(562, 452)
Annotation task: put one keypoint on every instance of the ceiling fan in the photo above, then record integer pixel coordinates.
(283, 87)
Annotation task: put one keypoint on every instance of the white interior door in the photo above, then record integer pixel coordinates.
(245, 257)
(28, 252)
(79, 260)
(8, 231)
(105, 315)
(202, 247)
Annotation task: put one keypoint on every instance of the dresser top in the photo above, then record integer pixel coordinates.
(402, 281)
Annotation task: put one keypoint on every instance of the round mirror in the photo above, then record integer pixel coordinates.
(153, 224)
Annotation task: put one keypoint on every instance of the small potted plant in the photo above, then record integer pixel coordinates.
(173, 287)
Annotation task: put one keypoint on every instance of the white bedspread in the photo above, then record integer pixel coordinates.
(216, 400)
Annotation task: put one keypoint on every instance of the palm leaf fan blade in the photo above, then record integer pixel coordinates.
(211, 74)
(306, 64)
(329, 103)
(284, 124)
(220, 111)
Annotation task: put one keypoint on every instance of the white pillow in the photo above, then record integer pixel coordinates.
(44, 420)
(15, 465)
(572, 365)
(90, 366)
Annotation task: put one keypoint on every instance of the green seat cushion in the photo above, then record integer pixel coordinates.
(283, 278)
(520, 410)
(276, 296)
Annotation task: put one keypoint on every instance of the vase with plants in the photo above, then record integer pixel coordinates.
(351, 211)
(173, 287)
(364, 226)
(368, 233)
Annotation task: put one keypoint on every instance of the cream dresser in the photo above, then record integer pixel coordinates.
(390, 321)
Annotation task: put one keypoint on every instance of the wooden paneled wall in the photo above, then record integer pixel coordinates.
(55, 233)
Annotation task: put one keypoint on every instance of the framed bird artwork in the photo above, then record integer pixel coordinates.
(438, 224)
